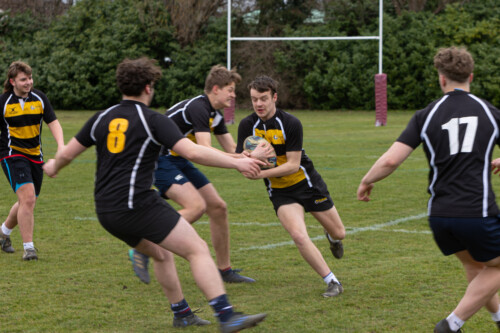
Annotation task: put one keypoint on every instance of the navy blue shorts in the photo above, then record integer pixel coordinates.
(311, 198)
(479, 236)
(153, 222)
(20, 171)
(177, 170)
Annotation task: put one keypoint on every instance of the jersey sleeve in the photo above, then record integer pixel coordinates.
(221, 127)
(199, 115)
(84, 136)
(411, 134)
(48, 111)
(294, 135)
(165, 130)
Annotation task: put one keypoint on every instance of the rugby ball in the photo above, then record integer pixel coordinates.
(251, 143)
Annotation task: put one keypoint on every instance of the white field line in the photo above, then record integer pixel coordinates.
(352, 231)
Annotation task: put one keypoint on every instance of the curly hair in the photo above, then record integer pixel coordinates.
(14, 69)
(455, 63)
(264, 83)
(132, 75)
(220, 76)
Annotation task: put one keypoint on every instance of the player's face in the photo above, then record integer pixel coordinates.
(264, 103)
(226, 95)
(22, 83)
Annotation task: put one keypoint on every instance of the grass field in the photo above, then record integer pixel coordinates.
(395, 278)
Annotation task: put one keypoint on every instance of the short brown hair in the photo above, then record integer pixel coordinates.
(455, 63)
(132, 75)
(14, 69)
(220, 76)
(264, 83)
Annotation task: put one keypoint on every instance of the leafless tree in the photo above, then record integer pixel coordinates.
(189, 16)
(45, 9)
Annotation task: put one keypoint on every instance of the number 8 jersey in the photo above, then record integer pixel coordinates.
(128, 138)
(459, 132)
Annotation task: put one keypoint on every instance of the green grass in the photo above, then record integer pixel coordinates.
(395, 278)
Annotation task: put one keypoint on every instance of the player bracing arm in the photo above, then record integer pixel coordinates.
(216, 158)
(382, 168)
(291, 166)
(63, 157)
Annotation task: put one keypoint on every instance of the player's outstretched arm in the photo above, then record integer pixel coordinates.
(495, 166)
(213, 157)
(63, 157)
(383, 167)
(57, 132)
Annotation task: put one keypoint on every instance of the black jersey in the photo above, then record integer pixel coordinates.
(21, 126)
(284, 132)
(128, 138)
(459, 132)
(197, 115)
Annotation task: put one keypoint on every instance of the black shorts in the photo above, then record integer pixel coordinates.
(20, 170)
(313, 199)
(479, 236)
(153, 222)
(177, 170)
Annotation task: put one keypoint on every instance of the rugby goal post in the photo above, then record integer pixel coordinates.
(380, 78)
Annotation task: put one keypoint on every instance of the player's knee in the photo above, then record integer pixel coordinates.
(196, 209)
(300, 239)
(218, 207)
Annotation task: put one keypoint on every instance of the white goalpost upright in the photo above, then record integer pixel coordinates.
(380, 78)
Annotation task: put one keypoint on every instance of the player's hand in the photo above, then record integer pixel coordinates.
(263, 152)
(49, 168)
(495, 166)
(249, 166)
(364, 191)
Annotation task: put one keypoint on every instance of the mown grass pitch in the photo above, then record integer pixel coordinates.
(395, 278)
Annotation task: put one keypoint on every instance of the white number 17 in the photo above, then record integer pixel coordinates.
(470, 133)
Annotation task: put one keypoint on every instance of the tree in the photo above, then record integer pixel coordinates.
(190, 16)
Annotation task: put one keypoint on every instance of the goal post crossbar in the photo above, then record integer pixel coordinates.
(380, 78)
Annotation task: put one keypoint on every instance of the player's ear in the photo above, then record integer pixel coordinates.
(471, 77)
(275, 97)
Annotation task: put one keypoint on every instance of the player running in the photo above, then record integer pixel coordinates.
(178, 179)
(293, 185)
(128, 138)
(459, 132)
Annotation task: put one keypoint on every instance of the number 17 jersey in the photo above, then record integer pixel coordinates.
(459, 132)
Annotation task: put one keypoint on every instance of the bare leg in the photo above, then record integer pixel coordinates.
(483, 287)
(185, 242)
(330, 220)
(25, 211)
(165, 270)
(219, 224)
(186, 195)
(11, 220)
(292, 218)
(472, 269)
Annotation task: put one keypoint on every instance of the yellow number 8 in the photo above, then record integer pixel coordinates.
(116, 136)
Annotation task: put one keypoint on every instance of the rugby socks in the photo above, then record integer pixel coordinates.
(6, 231)
(329, 277)
(454, 322)
(28, 245)
(495, 315)
(181, 309)
(223, 310)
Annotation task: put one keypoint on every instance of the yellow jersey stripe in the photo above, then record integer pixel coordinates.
(25, 132)
(30, 151)
(14, 110)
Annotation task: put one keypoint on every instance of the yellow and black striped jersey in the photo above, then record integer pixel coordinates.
(284, 132)
(21, 125)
